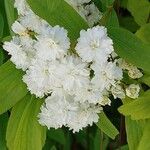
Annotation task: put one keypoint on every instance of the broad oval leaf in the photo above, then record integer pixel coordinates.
(129, 47)
(134, 130)
(10, 13)
(12, 88)
(55, 133)
(138, 109)
(59, 12)
(110, 19)
(144, 33)
(3, 125)
(144, 143)
(140, 10)
(106, 126)
(23, 131)
(1, 25)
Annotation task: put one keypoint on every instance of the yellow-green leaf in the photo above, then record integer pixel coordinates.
(106, 126)
(144, 33)
(140, 10)
(23, 131)
(131, 48)
(12, 88)
(139, 108)
(144, 143)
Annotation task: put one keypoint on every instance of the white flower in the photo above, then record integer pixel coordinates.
(89, 95)
(89, 12)
(22, 7)
(62, 110)
(42, 77)
(105, 101)
(106, 74)
(82, 116)
(34, 23)
(94, 44)
(123, 64)
(54, 112)
(75, 73)
(117, 91)
(53, 45)
(93, 15)
(77, 3)
(133, 90)
(19, 28)
(135, 73)
(21, 51)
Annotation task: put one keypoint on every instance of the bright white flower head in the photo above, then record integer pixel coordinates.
(22, 7)
(89, 95)
(75, 73)
(94, 45)
(54, 112)
(59, 111)
(117, 91)
(54, 45)
(93, 15)
(21, 51)
(19, 29)
(106, 75)
(42, 77)
(34, 23)
(133, 90)
(82, 116)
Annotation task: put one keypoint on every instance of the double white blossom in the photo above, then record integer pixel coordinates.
(63, 110)
(94, 45)
(21, 50)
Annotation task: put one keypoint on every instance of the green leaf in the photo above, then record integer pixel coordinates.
(10, 13)
(23, 131)
(134, 132)
(1, 56)
(140, 10)
(3, 12)
(129, 47)
(59, 12)
(113, 19)
(144, 33)
(146, 79)
(137, 109)
(106, 4)
(53, 134)
(129, 23)
(3, 125)
(144, 143)
(106, 126)
(123, 3)
(110, 18)
(1, 25)
(124, 147)
(12, 88)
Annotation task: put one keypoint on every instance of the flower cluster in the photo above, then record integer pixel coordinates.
(75, 86)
